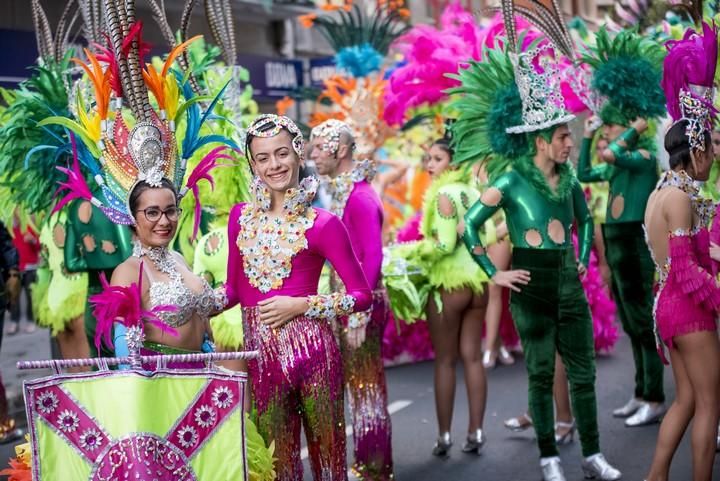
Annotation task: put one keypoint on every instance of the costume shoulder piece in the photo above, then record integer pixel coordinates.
(447, 178)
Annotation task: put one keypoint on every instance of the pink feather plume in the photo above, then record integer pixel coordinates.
(107, 55)
(75, 184)
(202, 171)
(430, 53)
(135, 33)
(692, 60)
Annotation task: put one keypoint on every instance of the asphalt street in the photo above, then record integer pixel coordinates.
(514, 457)
(506, 457)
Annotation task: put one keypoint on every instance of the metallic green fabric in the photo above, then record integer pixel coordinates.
(528, 211)
(632, 177)
(93, 240)
(633, 274)
(163, 349)
(552, 315)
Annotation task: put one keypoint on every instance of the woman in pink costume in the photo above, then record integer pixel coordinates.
(688, 295)
(279, 244)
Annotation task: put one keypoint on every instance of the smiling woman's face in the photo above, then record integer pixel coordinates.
(160, 232)
(275, 161)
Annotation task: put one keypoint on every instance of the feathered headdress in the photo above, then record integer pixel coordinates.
(488, 103)
(121, 153)
(361, 41)
(495, 119)
(627, 70)
(688, 81)
(231, 185)
(360, 104)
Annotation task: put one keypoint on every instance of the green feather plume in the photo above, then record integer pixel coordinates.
(354, 27)
(486, 103)
(627, 70)
(31, 180)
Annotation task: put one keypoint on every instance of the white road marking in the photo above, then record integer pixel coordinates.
(393, 407)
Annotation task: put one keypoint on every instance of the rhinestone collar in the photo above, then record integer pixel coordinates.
(161, 258)
(269, 245)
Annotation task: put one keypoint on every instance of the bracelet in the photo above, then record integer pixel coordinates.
(220, 298)
(359, 319)
(330, 306)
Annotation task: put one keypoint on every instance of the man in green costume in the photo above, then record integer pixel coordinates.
(510, 115)
(631, 169)
(95, 245)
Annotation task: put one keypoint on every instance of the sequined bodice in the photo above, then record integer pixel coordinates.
(703, 210)
(174, 292)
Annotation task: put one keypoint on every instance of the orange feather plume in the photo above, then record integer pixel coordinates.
(101, 82)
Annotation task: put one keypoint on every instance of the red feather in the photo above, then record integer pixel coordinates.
(135, 33)
(18, 471)
(107, 55)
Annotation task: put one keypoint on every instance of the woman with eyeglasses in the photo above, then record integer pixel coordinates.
(166, 278)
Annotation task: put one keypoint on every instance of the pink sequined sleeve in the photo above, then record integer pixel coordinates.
(333, 243)
(694, 281)
(235, 268)
(363, 218)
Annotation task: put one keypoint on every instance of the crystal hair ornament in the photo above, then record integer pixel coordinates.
(696, 105)
(120, 152)
(536, 70)
(542, 100)
(330, 131)
(270, 125)
(688, 82)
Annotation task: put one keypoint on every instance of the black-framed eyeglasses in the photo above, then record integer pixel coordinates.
(153, 214)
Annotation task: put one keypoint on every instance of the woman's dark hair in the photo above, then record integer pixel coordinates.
(142, 186)
(677, 144)
(444, 144)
